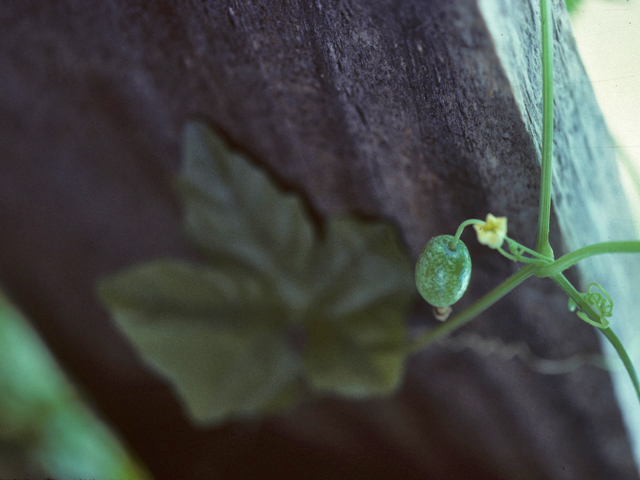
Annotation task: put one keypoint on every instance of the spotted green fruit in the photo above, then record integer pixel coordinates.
(442, 274)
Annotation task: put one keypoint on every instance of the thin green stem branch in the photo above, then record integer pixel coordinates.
(520, 258)
(542, 245)
(607, 332)
(518, 250)
(462, 226)
(574, 257)
(471, 311)
(577, 297)
(622, 353)
(524, 249)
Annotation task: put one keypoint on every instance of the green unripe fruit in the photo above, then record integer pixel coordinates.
(442, 274)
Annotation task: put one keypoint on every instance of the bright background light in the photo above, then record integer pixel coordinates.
(608, 38)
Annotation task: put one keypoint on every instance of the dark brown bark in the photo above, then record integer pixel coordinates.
(408, 110)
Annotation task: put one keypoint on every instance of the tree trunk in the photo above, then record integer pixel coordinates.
(424, 112)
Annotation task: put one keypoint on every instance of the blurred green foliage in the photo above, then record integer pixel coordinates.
(45, 429)
(572, 5)
(276, 312)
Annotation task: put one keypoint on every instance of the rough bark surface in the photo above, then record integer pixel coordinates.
(406, 110)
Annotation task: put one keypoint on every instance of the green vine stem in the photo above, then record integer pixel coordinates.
(518, 250)
(542, 245)
(471, 311)
(568, 260)
(570, 290)
(541, 263)
(622, 353)
(513, 246)
(463, 225)
(579, 300)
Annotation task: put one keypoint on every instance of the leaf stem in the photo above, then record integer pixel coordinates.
(471, 311)
(568, 260)
(542, 245)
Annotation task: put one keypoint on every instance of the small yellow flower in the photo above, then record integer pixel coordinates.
(492, 232)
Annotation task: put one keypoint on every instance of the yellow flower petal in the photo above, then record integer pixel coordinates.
(492, 232)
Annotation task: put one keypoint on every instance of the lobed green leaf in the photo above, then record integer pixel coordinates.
(356, 326)
(275, 311)
(217, 335)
